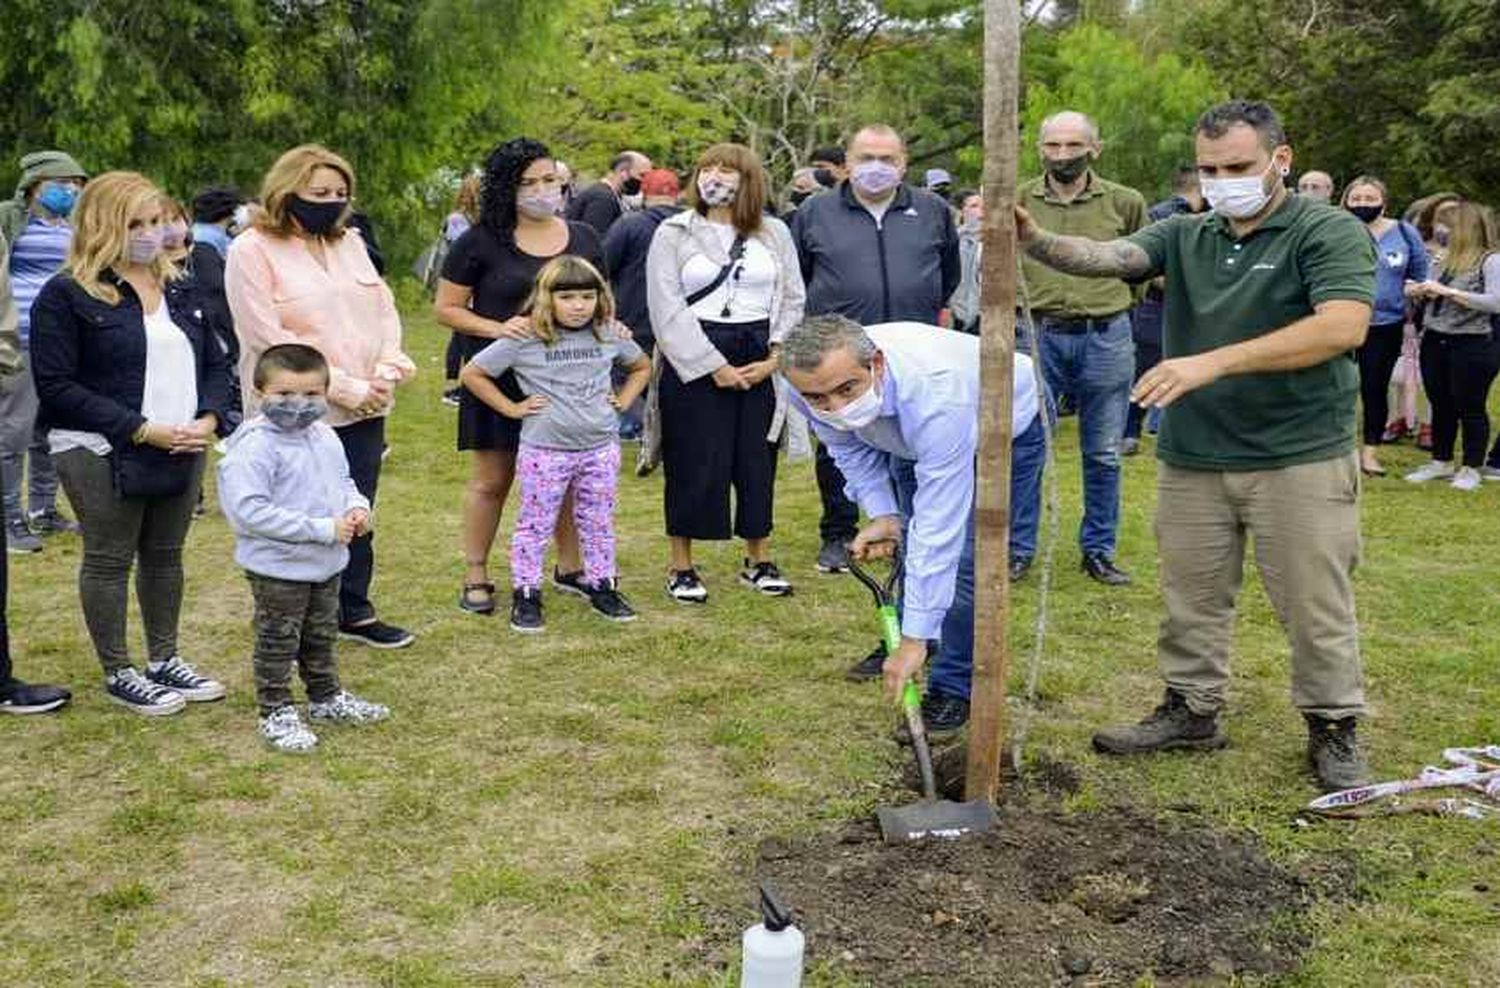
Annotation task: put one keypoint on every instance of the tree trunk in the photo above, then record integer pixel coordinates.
(1002, 58)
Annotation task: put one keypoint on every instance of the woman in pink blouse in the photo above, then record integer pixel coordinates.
(300, 276)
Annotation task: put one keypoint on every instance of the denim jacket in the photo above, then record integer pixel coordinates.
(89, 357)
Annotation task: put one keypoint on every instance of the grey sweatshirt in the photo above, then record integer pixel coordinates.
(281, 492)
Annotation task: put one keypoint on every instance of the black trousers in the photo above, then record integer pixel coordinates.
(1457, 372)
(5, 672)
(453, 359)
(1377, 360)
(840, 520)
(364, 443)
(714, 441)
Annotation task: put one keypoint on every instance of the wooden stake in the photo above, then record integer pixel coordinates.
(1002, 58)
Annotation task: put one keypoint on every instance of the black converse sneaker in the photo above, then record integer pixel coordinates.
(684, 586)
(526, 612)
(131, 690)
(605, 598)
(179, 677)
(766, 578)
(377, 634)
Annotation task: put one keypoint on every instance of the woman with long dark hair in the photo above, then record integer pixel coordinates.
(486, 281)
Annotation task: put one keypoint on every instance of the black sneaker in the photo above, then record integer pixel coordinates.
(451, 397)
(377, 634)
(131, 690)
(17, 697)
(179, 677)
(870, 667)
(1171, 725)
(833, 557)
(1333, 753)
(570, 583)
(766, 578)
(942, 717)
(606, 600)
(526, 612)
(20, 539)
(1103, 569)
(684, 586)
(1019, 567)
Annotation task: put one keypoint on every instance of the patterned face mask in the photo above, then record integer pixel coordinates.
(293, 413)
(715, 191)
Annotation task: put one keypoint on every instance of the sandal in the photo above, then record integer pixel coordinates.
(485, 602)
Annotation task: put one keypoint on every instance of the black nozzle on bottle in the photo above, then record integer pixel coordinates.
(774, 913)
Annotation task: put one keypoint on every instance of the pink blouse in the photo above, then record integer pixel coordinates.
(279, 293)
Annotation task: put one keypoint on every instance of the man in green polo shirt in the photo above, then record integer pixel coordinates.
(1266, 298)
(1083, 324)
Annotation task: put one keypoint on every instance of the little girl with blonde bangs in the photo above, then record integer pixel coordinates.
(569, 429)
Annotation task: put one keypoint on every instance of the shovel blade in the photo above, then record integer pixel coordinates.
(934, 820)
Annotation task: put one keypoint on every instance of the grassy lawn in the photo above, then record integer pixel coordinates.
(556, 809)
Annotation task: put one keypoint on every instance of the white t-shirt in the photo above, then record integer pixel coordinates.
(170, 396)
(747, 293)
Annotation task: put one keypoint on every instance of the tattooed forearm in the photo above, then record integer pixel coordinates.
(1090, 258)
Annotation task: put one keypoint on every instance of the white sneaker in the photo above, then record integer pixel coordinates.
(284, 730)
(346, 708)
(1467, 479)
(1489, 472)
(1435, 470)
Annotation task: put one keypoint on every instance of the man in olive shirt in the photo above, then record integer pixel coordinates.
(1085, 344)
(1266, 298)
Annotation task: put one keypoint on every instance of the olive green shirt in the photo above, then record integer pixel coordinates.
(1222, 291)
(1102, 211)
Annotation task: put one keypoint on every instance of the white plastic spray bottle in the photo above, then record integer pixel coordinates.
(772, 948)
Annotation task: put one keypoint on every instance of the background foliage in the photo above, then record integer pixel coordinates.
(413, 91)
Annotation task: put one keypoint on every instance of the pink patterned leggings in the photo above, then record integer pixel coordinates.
(545, 476)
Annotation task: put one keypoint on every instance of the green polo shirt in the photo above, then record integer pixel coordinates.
(1222, 291)
(1102, 211)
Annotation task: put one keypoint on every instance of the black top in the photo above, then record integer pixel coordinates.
(598, 206)
(89, 358)
(206, 274)
(625, 249)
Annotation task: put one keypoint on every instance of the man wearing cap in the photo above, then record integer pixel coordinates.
(1083, 325)
(939, 182)
(214, 212)
(35, 224)
(625, 248)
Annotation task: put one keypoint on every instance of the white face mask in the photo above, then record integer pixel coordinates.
(856, 415)
(1238, 198)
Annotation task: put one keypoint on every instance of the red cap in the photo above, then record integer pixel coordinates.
(660, 182)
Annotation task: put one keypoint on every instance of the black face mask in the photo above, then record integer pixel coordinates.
(825, 177)
(1367, 214)
(1070, 169)
(630, 187)
(798, 198)
(317, 218)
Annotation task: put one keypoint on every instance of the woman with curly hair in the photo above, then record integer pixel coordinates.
(486, 281)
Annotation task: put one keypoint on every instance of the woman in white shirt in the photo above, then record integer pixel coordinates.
(723, 286)
(133, 388)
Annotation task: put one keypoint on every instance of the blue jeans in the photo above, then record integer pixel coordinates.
(1097, 368)
(953, 668)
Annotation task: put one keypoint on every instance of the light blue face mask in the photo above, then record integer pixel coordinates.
(292, 413)
(58, 199)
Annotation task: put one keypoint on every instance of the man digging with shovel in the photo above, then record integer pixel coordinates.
(897, 405)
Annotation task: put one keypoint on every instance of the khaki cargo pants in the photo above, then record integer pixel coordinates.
(1304, 520)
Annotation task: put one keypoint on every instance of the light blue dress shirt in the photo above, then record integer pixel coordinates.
(929, 401)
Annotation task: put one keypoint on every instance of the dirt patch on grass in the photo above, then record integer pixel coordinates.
(1049, 898)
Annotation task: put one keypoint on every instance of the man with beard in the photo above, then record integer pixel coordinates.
(1083, 324)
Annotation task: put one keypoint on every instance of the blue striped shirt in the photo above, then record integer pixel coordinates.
(38, 254)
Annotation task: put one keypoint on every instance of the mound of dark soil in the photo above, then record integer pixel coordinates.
(1048, 898)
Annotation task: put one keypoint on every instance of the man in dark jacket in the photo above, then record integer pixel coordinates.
(601, 204)
(625, 249)
(876, 250)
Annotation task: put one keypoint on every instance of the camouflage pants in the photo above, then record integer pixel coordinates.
(295, 623)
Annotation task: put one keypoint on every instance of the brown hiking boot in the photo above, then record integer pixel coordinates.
(1171, 725)
(1333, 753)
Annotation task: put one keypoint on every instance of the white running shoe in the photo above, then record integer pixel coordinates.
(1434, 470)
(284, 730)
(1467, 479)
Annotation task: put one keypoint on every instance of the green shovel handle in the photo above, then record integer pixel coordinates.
(890, 627)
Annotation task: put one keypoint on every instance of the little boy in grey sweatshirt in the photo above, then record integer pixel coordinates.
(284, 486)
